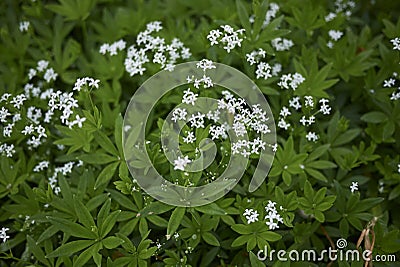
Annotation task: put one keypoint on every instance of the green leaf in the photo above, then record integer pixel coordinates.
(270, 236)
(243, 16)
(241, 240)
(210, 239)
(112, 242)
(255, 262)
(242, 229)
(211, 209)
(346, 137)
(83, 213)
(106, 175)
(321, 164)
(70, 248)
(97, 158)
(102, 139)
(37, 251)
(175, 220)
(71, 228)
(85, 256)
(374, 117)
(308, 191)
(109, 223)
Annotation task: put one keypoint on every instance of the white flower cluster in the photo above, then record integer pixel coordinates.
(41, 166)
(42, 66)
(25, 111)
(87, 81)
(164, 54)
(24, 26)
(269, 16)
(335, 36)
(391, 83)
(7, 150)
(309, 104)
(229, 37)
(64, 170)
(341, 6)
(3, 234)
(113, 48)
(396, 43)
(264, 70)
(251, 215)
(273, 217)
(291, 81)
(281, 44)
(244, 119)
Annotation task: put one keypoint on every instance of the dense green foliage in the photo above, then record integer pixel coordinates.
(68, 199)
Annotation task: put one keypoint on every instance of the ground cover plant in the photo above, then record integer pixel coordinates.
(328, 69)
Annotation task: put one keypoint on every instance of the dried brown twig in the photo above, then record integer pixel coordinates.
(368, 236)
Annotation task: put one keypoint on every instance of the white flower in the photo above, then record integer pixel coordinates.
(42, 65)
(205, 64)
(325, 108)
(297, 80)
(189, 97)
(285, 112)
(396, 43)
(41, 166)
(330, 16)
(7, 150)
(295, 103)
(50, 75)
(23, 26)
(282, 44)
(197, 120)
(389, 83)
(291, 80)
(94, 83)
(283, 124)
(190, 138)
(113, 48)
(28, 129)
(270, 14)
(251, 215)
(276, 69)
(31, 73)
(5, 97)
(217, 131)
(230, 38)
(263, 71)
(3, 234)
(213, 36)
(309, 102)
(273, 217)
(179, 114)
(335, 35)
(78, 120)
(275, 147)
(180, 163)
(18, 101)
(354, 187)
(311, 136)
(3, 114)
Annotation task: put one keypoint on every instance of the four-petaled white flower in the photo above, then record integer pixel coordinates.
(396, 43)
(3, 234)
(354, 187)
(180, 163)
